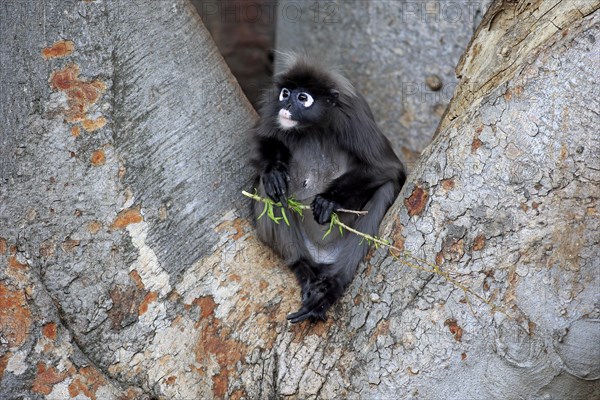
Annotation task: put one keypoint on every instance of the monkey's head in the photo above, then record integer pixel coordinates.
(306, 96)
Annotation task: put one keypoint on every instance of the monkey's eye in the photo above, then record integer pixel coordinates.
(306, 99)
(284, 94)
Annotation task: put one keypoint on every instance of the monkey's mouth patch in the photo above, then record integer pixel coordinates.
(285, 119)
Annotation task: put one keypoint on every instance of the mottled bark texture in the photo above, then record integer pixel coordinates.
(122, 158)
(401, 55)
(130, 268)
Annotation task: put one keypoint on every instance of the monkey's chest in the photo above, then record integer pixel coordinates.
(312, 168)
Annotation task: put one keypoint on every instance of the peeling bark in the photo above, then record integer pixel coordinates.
(130, 268)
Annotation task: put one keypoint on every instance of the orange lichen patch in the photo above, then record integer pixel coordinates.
(62, 48)
(455, 251)
(98, 158)
(479, 242)
(357, 299)
(463, 356)
(448, 184)
(4, 362)
(220, 383)
(91, 125)
(227, 352)
(125, 305)
(70, 244)
(148, 299)
(81, 94)
(45, 378)
(126, 217)
(238, 395)
(16, 270)
(15, 316)
(3, 246)
(262, 285)
(47, 248)
(235, 277)
(476, 144)
(94, 226)
(75, 131)
(439, 258)
(238, 226)
(455, 330)
(88, 381)
(49, 330)
(15, 265)
(170, 380)
(524, 207)
(137, 279)
(415, 204)
(207, 305)
(397, 238)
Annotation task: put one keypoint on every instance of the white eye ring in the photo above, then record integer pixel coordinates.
(306, 99)
(284, 94)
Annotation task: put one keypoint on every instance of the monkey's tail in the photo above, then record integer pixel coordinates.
(355, 247)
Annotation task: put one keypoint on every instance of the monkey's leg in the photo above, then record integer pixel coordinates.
(307, 275)
(318, 294)
(304, 272)
(333, 279)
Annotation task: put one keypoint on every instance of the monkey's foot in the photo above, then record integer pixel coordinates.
(317, 297)
(322, 208)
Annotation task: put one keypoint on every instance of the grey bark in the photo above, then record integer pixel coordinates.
(146, 262)
(171, 153)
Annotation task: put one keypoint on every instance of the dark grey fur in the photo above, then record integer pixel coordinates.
(335, 157)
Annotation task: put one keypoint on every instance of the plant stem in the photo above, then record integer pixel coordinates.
(433, 268)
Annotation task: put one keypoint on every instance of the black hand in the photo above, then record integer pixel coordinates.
(322, 208)
(275, 183)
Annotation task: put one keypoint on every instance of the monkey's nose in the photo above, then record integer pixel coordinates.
(288, 106)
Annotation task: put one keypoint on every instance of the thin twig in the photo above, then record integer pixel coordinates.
(433, 268)
(302, 206)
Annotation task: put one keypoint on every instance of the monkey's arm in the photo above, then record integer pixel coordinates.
(272, 163)
(351, 190)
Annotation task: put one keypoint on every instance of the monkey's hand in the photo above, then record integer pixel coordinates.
(322, 208)
(274, 181)
(317, 296)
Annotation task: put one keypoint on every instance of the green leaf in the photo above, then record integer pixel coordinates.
(271, 214)
(329, 230)
(264, 211)
(284, 216)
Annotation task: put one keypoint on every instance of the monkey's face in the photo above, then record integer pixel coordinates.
(300, 108)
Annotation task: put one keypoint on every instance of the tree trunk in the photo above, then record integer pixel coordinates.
(131, 269)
